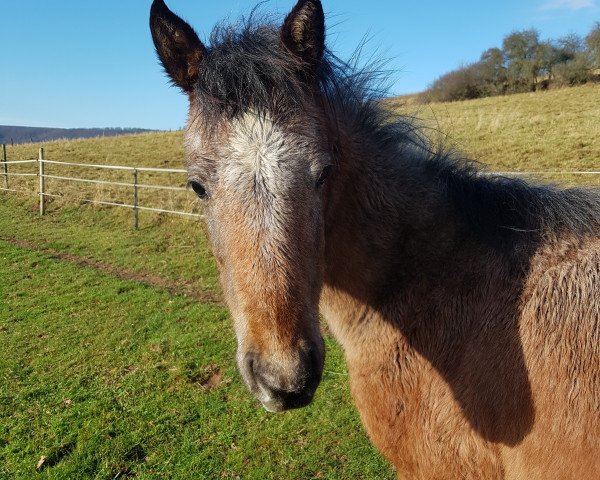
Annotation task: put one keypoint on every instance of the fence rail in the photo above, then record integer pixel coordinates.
(115, 167)
(545, 173)
(135, 184)
(14, 162)
(42, 176)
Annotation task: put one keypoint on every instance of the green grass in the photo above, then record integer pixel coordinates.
(108, 377)
(172, 248)
(105, 377)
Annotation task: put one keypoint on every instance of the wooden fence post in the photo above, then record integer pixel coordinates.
(41, 177)
(135, 198)
(5, 166)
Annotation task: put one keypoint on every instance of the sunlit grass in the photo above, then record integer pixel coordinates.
(105, 378)
(552, 130)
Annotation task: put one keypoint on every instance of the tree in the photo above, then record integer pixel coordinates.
(574, 72)
(493, 72)
(520, 50)
(571, 63)
(544, 58)
(593, 45)
(524, 63)
(461, 84)
(568, 47)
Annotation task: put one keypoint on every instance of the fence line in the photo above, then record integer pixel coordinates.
(116, 204)
(42, 180)
(14, 190)
(88, 180)
(544, 173)
(13, 162)
(5, 167)
(117, 167)
(42, 176)
(107, 182)
(136, 185)
(162, 187)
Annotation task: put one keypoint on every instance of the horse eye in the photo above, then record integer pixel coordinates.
(324, 174)
(197, 188)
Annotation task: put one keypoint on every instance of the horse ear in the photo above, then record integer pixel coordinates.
(177, 45)
(303, 32)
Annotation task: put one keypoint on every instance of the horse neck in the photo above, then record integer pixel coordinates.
(396, 255)
(384, 217)
(400, 258)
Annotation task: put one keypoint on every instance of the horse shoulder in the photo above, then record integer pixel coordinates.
(560, 331)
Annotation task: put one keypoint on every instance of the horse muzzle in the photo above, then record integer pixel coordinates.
(283, 385)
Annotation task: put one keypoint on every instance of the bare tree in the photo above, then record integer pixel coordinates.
(593, 45)
(521, 53)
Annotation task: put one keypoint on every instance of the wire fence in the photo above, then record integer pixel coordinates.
(547, 173)
(134, 184)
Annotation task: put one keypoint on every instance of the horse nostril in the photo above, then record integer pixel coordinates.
(283, 386)
(249, 365)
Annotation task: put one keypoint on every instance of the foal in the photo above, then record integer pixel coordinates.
(468, 307)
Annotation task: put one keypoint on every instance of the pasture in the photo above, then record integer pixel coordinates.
(119, 355)
(109, 378)
(551, 130)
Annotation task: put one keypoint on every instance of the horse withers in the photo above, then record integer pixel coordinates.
(467, 305)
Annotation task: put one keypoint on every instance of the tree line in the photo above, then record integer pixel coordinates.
(523, 64)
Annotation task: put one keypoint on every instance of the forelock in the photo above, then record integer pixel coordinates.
(246, 68)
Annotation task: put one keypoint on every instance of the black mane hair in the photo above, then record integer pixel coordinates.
(510, 212)
(245, 67)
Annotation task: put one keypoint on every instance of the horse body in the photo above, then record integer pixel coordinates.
(468, 307)
(466, 359)
(462, 384)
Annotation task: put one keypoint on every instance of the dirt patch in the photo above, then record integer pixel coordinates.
(213, 381)
(209, 377)
(174, 287)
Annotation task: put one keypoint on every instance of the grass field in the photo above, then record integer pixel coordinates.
(103, 377)
(118, 356)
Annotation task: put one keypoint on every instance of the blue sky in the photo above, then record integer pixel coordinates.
(74, 63)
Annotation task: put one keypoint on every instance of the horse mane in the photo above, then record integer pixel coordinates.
(245, 69)
(506, 211)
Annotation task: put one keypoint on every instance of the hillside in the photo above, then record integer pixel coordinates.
(551, 130)
(12, 134)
